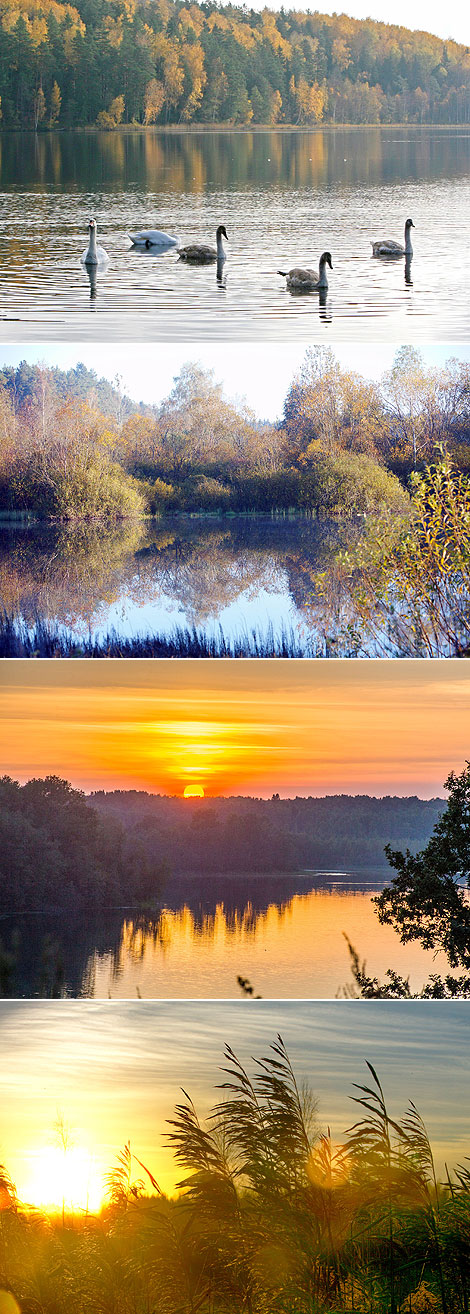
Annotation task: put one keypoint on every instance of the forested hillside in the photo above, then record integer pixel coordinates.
(108, 62)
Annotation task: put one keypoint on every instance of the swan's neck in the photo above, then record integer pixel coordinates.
(220, 247)
(408, 246)
(92, 244)
(322, 280)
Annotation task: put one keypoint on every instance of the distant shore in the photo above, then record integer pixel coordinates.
(206, 128)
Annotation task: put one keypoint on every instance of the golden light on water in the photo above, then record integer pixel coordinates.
(193, 791)
(63, 1180)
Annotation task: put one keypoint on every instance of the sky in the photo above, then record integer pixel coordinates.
(115, 1072)
(243, 728)
(259, 372)
(450, 20)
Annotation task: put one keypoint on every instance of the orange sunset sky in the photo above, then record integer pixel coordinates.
(247, 727)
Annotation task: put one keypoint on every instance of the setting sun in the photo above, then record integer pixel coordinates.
(67, 1180)
(193, 791)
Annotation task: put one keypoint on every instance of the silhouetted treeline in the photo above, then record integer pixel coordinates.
(60, 849)
(260, 835)
(57, 852)
(164, 61)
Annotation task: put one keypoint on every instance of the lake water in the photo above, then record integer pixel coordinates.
(236, 572)
(284, 933)
(284, 198)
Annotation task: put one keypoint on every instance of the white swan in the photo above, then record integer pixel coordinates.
(203, 255)
(308, 280)
(94, 255)
(149, 237)
(390, 248)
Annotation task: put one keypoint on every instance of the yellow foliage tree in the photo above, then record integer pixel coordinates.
(309, 100)
(193, 57)
(112, 117)
(154, 100)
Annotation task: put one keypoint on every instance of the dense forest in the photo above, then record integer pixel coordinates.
(143, 62)
(272, 1213)
(60, 849)
(262, 835)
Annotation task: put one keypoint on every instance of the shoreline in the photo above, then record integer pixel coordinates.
(206, 128)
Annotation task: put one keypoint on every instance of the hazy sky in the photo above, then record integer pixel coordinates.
(240, 727)
(115, 1070)
(259, 372)
(449, 20)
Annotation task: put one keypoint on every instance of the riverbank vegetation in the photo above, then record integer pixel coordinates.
(272, 1214)
(406, 590)
(389, 460)
(98, 63)
(75, 447)
(48, 640)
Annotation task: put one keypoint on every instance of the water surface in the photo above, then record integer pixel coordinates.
(284, 198)
(284, 933)
(235, 572)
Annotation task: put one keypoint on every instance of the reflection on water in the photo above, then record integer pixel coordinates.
(286, 934)
(238, 572)
(284, 196)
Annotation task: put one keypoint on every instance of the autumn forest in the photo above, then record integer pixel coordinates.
(107, 63)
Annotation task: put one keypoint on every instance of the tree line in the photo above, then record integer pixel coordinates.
(74, 447)
(271, 1214)
(112, 62)
(59, 849)
(223, 835)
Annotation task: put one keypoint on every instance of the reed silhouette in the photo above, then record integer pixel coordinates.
(271, 1215)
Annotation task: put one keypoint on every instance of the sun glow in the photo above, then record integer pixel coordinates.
(66, 1180)
(193, 791)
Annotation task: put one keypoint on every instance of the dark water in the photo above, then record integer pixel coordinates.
(284, 198)
(238, 572)
(284, 933)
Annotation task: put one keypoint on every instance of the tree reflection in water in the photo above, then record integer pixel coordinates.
(193, 569)
(286, 930)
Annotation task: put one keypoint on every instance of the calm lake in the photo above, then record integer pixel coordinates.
(149, 577)
(284, 197)
(284, 933)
